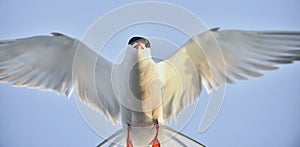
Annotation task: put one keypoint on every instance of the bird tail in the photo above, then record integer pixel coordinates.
(167, 137)
(176, 138)
(113, 140)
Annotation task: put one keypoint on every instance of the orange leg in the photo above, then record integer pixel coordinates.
(155, 142)
(128, 143)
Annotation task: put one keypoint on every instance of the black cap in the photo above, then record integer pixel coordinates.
(136, 39)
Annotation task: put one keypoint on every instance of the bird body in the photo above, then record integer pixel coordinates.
(142, 87)
(140, 93)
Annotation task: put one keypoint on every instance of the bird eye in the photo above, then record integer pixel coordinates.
(147, 45)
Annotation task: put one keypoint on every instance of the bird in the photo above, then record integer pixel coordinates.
(140, 93)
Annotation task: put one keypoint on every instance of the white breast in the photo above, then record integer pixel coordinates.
(139, 89)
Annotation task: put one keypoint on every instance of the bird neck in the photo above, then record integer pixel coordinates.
(144, 54)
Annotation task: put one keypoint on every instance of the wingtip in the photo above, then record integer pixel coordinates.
(215, 29)
(57, 34)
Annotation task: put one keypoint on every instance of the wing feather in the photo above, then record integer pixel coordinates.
(48, 63)
(220, 57)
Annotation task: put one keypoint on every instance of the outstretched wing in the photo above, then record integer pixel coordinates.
(216, 57)
(59, 63)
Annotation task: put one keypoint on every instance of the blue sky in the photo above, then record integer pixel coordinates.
(258, 112)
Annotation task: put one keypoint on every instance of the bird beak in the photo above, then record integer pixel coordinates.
(139, 46)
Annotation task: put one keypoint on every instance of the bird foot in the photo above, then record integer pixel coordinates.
(129, 143)
(155, 142)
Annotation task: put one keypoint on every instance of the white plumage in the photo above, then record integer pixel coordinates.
(140, 90)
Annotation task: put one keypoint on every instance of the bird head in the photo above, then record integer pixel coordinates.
(139, 43)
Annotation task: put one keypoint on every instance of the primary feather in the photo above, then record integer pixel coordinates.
(48, 63)
(214, 58)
